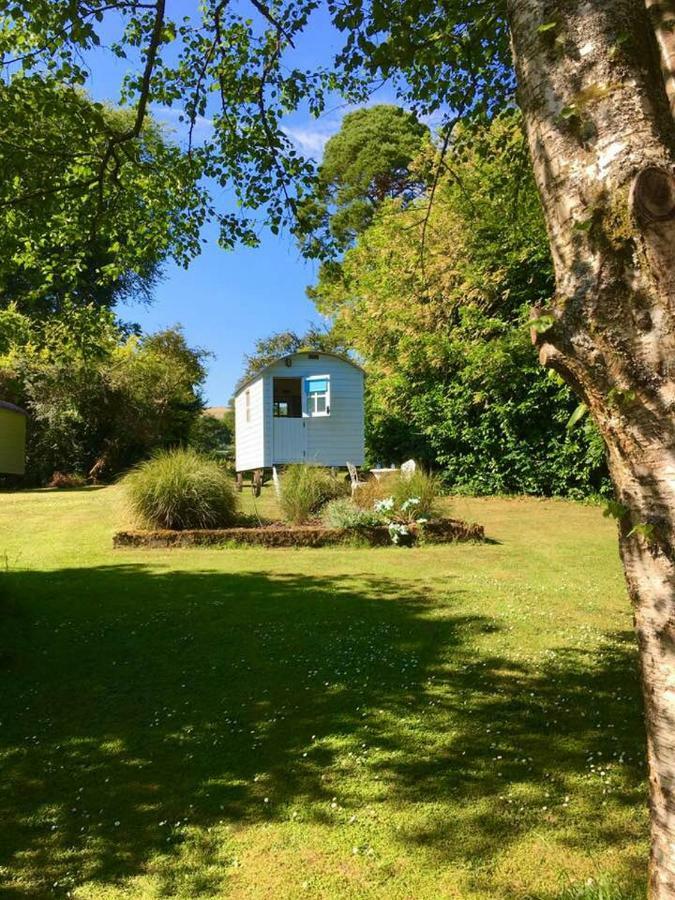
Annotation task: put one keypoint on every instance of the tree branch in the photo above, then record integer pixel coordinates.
(266, 14)
(65, 32)
(208, 56)
(434, 185)
(150, 60)
(141, 110)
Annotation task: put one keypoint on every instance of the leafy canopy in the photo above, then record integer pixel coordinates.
(367, 161)
(238, 66)
(283, 343)
(98, 399)
(64, 236)
(452, 377)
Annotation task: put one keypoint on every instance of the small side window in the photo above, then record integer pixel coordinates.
(317, 390)
(247, 399)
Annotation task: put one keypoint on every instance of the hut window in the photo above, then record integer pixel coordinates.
(247, 397)
(287, 399)
(317, 389)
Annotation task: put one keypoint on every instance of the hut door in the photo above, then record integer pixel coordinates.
(290, 434)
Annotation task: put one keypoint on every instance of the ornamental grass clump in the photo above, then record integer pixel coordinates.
(304, 490)
(418, 486)
(180, 489)
(409, 503)
(596, 889)
(402, 487)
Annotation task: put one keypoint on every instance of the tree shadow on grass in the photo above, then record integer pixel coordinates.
(138, 705)
(544, 745)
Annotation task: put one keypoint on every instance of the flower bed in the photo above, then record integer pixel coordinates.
(440, 531)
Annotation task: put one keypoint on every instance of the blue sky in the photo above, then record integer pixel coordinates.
(227, 299)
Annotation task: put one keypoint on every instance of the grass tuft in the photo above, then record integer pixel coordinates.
(306, 489)
(180, 489)
(421, 485)
(596, 889)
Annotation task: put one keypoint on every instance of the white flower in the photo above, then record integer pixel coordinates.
(384, 505)
(411, 501)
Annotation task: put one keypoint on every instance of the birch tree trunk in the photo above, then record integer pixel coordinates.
(595, 85)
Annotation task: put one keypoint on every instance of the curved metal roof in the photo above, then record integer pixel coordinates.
(254, 377)
(12, 408)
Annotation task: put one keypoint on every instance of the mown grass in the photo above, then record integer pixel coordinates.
(442, 722)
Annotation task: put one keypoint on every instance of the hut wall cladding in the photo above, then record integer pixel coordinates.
(264, 440)
(331, 440)
(12, 441)
(249, 418)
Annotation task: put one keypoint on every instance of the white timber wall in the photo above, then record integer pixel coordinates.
(249, 428)
(330, 440)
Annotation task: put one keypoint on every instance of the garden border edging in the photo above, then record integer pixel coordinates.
(439, 532)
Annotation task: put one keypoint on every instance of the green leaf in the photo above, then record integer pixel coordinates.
(569, 112)
(644, 530)
(577, 416)
(541, 324)
(615, 510)
(620, 397)
(584, 224)
(548, 26)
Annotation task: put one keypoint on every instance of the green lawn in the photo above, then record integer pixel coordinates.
(443, 722)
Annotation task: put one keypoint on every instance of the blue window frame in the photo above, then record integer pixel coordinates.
(317, 395)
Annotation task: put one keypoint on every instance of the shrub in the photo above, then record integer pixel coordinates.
(67, 480)
(305, 489)
(212, 436)
(344, 513)
(180, 489)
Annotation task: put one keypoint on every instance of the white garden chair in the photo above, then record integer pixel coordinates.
(354, 477)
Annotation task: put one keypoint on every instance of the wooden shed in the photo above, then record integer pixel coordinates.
(306, 407)
(12, 439)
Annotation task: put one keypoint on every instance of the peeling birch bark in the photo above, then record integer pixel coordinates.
(593, 90)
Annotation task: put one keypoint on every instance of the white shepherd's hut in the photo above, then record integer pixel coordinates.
(306, 407)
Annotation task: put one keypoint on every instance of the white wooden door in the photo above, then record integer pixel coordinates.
(290, 440)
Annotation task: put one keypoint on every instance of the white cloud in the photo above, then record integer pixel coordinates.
(310, 140)
(169, 115)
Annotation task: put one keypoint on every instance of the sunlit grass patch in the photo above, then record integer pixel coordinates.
(457, 721)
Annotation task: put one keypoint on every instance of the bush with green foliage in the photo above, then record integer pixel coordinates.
(213, 436)
(344, 513)
(305, 489)
(66, 480)
(98, 398)
(453, 379)
(180, 489)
